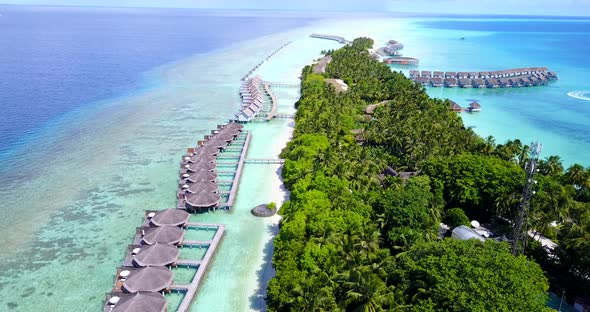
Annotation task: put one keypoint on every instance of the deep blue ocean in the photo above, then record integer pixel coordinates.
(54, 60)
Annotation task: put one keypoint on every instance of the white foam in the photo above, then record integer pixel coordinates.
(582, 95)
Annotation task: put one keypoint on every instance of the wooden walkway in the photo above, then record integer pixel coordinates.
(263, 61)
(282, 84)
(273, 102)
(265, 161)
(191, 289)
(285, 116)
(330, 37)
(236, 180)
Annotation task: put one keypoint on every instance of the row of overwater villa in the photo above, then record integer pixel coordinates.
(168, 256)
(252, 99)
(511, 78)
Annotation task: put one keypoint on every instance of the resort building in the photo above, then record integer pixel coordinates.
(450, 82)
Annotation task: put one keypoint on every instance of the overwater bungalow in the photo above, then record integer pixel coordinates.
(504, 83)
(474, 107)
(152, 279)
(514, 82)
(450, 75)
(436, 82)
(155, 255)
(438, 74)
(450, 82)
(393, 47)
(456, 107)
(423, 80)
(137, 302)
(196, 187)
(465, 83)
(462, 75)
(168, 217)
(245, 115)
(479, 83)
(492, 83)
(171, 235)
(201, 175)
(484, 75)
(473, 75)
(414, 74)
(426, 73)
(201, 200)
(198, 166)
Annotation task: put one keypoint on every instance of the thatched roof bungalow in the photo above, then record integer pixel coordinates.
(156, 255)
(169, 217)
(202, 200)
(152, 279)
(171, 235)
(137, 302)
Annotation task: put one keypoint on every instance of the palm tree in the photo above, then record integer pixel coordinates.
(576, 175)
(552, 166)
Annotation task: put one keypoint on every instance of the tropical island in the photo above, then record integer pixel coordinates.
(358, 235)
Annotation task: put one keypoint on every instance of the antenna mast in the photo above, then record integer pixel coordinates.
(527, 193)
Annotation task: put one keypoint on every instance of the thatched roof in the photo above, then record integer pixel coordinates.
(171, 217)
(203, 185)
(203, 199)
(141, 302)
(216, 142)
(152, 279)
(200, 165)
(201, 175)
(206, 150)
(156, 255)
(209, 157)
(162, 235)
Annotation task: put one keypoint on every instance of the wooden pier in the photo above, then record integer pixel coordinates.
(236, 180)
(285, 116)
(283, 84)
(263, 61)
(191, 289)
(265, 161)
(273, 101)
(339, 39)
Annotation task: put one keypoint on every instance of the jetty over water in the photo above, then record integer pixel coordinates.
(511, 78)
(339, 39)
(147, 273)
(199, 188)
(265, 60)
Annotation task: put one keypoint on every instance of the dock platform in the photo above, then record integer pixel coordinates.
(339, 39)
(191, 289)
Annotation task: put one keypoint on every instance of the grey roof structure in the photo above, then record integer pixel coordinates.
(156, 255)
(152, 279)
(172, 235)
(200, 165)
(170, 217)
(203, 199)
(141, 302)
(203, 185)
(201, 175)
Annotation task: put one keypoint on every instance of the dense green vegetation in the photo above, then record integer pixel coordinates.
(355, 239)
